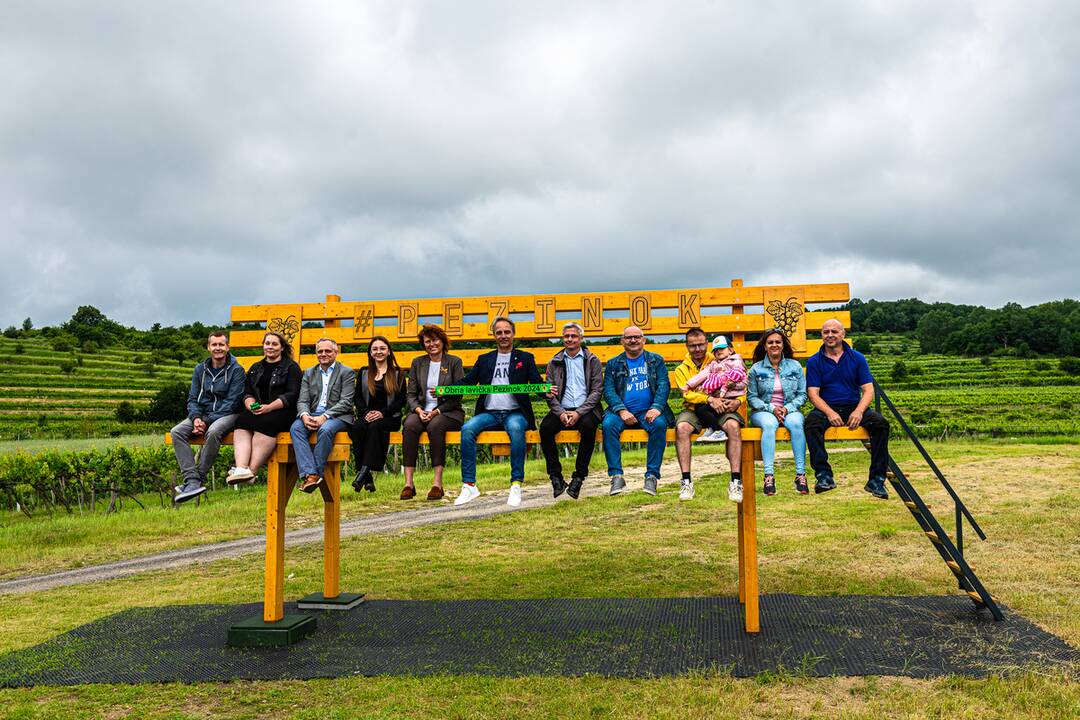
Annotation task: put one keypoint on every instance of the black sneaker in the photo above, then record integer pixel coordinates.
(824, 484)
(769, 486)
(558, 485)
(800, 484)
(574, 489)
(876, 487)
(191, 489)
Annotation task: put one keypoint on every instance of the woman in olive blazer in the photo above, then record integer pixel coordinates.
(427, 413)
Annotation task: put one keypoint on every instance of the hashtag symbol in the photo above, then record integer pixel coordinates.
(363, 321)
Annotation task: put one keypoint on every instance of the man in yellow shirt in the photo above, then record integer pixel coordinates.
(697, 357)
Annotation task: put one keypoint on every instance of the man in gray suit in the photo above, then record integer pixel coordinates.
(325, 407)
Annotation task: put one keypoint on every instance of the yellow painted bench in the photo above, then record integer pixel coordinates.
(736, 311)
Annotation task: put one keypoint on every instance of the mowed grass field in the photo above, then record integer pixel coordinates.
(845, 542)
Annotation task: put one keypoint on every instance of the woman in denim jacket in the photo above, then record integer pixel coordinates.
(776, 389)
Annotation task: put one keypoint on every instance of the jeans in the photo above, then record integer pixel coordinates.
(513, 422)
(586, 426)
(185, 458)
(654, 449)
(768, 423)
(308, 461)
(876, 425)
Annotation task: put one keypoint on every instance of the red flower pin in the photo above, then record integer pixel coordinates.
(518, 366)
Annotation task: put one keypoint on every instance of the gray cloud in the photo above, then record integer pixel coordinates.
(165, 161)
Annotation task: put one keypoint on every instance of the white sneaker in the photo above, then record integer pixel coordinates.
(515, 495)
(686, 490)
(238, 475)
(719, 436)
(734, 491)
(467, 494)
(706, 436)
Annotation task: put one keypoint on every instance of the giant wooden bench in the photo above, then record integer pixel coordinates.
(736, 311)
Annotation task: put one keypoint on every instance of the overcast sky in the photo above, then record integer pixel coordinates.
(162, 161)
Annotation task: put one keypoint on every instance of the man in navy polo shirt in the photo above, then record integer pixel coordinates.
(841, 388)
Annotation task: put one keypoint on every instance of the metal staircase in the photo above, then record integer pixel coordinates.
(951, 549)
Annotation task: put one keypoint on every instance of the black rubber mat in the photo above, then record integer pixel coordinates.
(858, 635)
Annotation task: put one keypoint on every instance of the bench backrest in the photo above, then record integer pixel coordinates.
(736, 311)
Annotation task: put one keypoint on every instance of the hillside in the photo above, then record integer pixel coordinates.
(39, 399)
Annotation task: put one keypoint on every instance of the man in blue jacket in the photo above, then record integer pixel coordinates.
(505, 365)
(636, 388)
(214, 402)
(840, 386)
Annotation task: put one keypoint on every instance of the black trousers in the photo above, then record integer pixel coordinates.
(371, 440)
(551, 424)
(877, 426)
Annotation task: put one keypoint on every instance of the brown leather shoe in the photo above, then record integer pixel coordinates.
(435, 493)
(311, 482)
(408, 492)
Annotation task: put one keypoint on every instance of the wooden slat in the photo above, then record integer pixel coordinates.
(526, 330)
(340, 451)
(564, 302)
(671, 353)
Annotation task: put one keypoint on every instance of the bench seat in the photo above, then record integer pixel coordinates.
(499, 437)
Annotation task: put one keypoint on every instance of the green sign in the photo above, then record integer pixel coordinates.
(525, 389)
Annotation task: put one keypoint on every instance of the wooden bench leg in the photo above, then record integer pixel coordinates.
(748, 565)
(280, 479)
(331, 492)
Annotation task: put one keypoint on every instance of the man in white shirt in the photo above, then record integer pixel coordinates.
(513, 413)
(324, 407)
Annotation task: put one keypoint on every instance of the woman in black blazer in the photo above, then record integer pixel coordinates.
(379, 398)
(427, 413)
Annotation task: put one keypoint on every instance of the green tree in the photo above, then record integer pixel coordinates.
(169, 404)
(90, 324)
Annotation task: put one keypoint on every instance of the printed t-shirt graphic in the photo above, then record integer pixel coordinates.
(501, 401)
(638, 396)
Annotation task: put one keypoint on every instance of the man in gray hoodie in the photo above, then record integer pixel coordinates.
(214, 402)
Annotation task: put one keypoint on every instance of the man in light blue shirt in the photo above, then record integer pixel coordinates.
(577, 379)
(330, 385)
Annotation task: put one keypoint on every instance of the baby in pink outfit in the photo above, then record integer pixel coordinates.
(724, 377)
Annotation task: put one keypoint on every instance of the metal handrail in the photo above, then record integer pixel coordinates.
(961, 508)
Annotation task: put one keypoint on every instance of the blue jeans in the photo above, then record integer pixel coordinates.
(513, 422)
(310, 462)
(654, 449)
(768, 423)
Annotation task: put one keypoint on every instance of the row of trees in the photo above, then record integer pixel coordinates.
(1052, 328)
(89, 330)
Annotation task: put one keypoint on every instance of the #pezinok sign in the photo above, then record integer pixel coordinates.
(523, 389)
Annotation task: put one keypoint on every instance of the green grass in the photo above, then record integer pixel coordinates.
(45, 543)
(839, 543)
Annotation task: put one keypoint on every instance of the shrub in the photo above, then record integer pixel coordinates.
(67, 367)
(862, 345)
(62, 345)
(126, 412)
(899, 371)
(915, 370)
(19, 349)
(11, 332)
(90, 347)
(1040, 365)
(170, 403)
(1069, 365)
(986, 361)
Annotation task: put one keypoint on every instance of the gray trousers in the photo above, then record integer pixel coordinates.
(181, 442)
